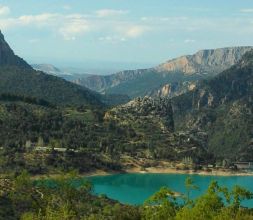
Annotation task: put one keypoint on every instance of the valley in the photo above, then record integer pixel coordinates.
(168, 142)
(57, 125)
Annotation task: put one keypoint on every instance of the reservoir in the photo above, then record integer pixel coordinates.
(136, 188)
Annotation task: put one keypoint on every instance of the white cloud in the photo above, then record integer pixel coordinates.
(144, 18)
(135, 31)
(69, 26)
(45, 19)
(189, 41)
(4, 10)
(40, 19)
(66, 7)
(109, 12)
(247, 10)
(34, 40)
(73, 28)
(164, 19)
(112, 39)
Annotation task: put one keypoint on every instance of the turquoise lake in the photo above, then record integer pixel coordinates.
(136, 188)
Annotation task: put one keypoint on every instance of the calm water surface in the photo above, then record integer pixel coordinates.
(136, 188)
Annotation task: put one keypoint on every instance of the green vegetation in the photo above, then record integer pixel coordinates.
(31, 83)
(63, 198)
(221, 108)
(42, 138)
(150, 80)
(50, 126)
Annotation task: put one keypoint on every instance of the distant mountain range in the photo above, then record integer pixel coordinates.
(204, 104)
(69, 74)
(171, 78)
(217, 112)
(47, 68)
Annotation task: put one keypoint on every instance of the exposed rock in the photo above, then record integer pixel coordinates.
(162, 80)
(173, 89)
(222, 107)
(158, 109)
(205, 61)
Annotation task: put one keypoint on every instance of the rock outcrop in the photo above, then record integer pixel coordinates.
(158, 110)
(173, 89)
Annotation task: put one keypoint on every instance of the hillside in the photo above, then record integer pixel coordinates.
(7, 56)
(28, 82)
(41, 138)
(222, 107)
(177, 73)
(150, 124)
(17, 77)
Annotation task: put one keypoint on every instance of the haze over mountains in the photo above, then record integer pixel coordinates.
(218, 112)
(171, 78)
(17, 77)
(70, 74)
(212, 108)
(104, 102)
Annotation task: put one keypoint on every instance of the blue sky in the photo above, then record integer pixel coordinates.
(122, 33)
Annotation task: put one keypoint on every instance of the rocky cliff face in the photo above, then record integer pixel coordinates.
(173, 89)
(178, 74)
(7, 56)
(223, 108)
(205, 61)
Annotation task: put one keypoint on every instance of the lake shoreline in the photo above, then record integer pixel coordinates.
(158, 170)
(149, 170)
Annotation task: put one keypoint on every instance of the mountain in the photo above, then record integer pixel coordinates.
(18, 78)
(215, 115)
(47, 68)
(150, 125)
(176, 73)
(222, 108)
(157, 111)
(205, 61)
(7, 56)
(69, 74)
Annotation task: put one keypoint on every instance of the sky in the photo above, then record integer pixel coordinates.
(122, 33)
